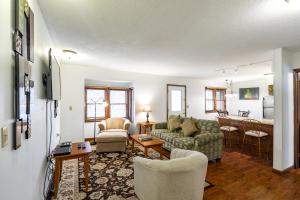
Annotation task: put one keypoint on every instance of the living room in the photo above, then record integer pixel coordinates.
(189, 68)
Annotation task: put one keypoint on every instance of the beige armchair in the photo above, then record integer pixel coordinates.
(112, 124)
(113, 135)
(182, 177)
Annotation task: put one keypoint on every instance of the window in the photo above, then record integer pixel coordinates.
(176, 100)
(118, 100)
(118, 103)
(215, 99)
(92, 96)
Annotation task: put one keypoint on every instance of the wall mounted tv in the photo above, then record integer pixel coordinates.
(53, 78)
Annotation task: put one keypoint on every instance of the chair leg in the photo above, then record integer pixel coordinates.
(243, 148)
(259, 149)
(230, 138)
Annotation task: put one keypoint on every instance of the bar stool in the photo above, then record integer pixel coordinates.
(227, 128)
(253, 129)
(242, 113)
(223, 113)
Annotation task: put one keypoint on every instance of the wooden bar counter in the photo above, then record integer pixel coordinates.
(267, 126)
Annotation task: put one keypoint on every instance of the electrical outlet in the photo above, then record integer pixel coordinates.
(4, 136)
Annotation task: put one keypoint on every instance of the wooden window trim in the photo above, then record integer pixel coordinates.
(98, 119)
(107, 100)
(126, 100)
(214, 89)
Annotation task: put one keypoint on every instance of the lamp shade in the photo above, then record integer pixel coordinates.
(147, 108)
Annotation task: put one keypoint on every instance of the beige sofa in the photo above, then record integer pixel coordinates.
(113, 135)
(182, 177)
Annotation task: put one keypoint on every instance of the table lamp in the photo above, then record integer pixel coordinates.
(147, 109)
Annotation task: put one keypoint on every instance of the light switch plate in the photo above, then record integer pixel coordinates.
(4, 136)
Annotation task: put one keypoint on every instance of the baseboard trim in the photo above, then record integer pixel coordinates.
(283, 171)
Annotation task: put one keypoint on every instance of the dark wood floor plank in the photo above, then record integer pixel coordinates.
(240, 176)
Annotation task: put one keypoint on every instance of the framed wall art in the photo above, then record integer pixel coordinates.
(24, 55)
(249, 93)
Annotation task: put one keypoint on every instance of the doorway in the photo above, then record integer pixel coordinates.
(176, 100)
(296, 118)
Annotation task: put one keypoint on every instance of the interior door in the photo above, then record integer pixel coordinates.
(297, 118)
(176, 100)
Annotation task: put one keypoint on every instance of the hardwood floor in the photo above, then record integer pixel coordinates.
(239, 176)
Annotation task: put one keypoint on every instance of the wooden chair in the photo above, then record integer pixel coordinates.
(242, 113)
(227, 128)
(253, 129)
(223, 113)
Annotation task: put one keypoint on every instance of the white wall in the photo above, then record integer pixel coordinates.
(284, 110)
(22, 171)
(148, 89)
(255, 106)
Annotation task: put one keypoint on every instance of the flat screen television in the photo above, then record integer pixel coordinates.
(53, 78)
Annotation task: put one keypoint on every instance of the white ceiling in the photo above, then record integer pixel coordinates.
(190, 38)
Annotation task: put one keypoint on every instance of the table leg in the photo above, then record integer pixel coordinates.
(86, 171)
(160, 153)
(132, 146)
(60, 168)
(146, 152)
(56, 176)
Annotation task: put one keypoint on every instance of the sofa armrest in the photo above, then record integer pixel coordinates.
(126, 125)
(205, 138)
(102, 125)
(162, 125)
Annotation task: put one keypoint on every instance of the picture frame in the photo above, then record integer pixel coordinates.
(23, 46)
(271, 90)
(249, 93)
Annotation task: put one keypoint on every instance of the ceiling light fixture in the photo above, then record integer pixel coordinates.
(229, 90)
(69, 53)
(224, 70)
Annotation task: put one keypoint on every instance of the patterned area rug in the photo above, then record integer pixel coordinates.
(111, 177)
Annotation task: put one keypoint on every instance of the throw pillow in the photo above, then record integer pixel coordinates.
(174, 123)
(188, 127)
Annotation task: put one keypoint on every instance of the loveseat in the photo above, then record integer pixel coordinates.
(208, 139)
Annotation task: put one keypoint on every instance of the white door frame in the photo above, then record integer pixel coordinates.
(175, 85)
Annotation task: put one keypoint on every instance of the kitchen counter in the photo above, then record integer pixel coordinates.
(263, 121)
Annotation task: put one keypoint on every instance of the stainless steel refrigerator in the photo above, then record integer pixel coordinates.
(268, 107)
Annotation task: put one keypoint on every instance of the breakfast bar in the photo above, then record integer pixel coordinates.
(266, 126)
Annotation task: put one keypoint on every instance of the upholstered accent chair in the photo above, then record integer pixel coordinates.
(113, 135)
(114, 124)
(181, 177)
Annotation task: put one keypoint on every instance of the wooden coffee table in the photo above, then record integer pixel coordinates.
(155, 144)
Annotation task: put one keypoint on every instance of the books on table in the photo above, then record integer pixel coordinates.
(145, 137)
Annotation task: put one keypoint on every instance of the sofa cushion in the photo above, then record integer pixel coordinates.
(111, 137)
(184, 143)
(169, 137)
(174, 123)
(205, 138)
(158, 132)
(115, 123)
(115, 130)
(208, 126)
(188, 127)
